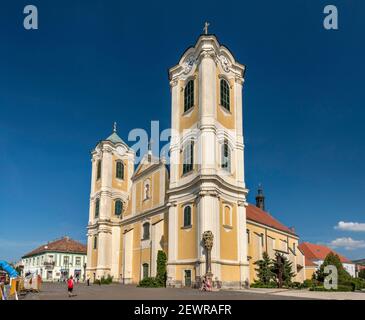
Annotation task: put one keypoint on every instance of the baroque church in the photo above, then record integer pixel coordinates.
(135, 212)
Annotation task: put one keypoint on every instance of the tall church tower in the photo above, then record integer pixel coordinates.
(207, 188)
(112, 169)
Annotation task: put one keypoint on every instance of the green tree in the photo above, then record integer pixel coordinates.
(334, 260)
(264, 272)
(283, 270)
(362, 274)
(161, 268)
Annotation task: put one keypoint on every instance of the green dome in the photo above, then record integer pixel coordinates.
(115, 138)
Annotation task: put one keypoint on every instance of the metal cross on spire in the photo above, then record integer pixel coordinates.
(115, 127)
(206, 25)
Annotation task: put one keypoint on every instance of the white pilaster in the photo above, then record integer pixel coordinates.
(172, 242)
(104, 253)
(175, 137)
(242, 242)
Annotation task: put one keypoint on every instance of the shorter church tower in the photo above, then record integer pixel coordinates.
(112, 168)
(260, 198)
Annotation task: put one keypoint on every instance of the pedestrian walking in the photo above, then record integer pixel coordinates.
(70, 286)
(88, 281)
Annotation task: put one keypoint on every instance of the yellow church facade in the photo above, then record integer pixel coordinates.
(167, 204)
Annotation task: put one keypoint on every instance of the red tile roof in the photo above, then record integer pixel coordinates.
(309, 263)
(318, 252)
(254, 213)
(64, 244)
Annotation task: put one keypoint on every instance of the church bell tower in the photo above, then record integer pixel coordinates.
(207, 193)
(112, 168)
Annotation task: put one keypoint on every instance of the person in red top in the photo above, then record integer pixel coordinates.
(70, 286)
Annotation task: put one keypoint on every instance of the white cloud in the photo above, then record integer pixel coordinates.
(350, 226)
(347, 243)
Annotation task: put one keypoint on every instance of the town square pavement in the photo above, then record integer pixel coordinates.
(58, 291)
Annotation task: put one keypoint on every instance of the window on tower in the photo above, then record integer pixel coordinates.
(120, 170)
(226, 156)
(188, 157)
(97, 207)
(145, 272)
(187, 216)
(189, 96)
(118, 207)
(146, 231)
(98, 170)
(224, 93)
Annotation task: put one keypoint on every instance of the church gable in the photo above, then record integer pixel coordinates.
(148, 162)
(149, 186)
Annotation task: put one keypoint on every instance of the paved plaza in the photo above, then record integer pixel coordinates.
(58, 291)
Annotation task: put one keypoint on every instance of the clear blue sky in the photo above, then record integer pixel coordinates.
(95, 62)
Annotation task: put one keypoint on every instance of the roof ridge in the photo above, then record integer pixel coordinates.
(267, 219)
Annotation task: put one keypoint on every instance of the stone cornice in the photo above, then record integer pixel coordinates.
(144, 215)
(199, 179)
(103, 222)
(207, 46)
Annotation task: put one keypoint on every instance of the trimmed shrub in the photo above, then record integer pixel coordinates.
(259, 284)
(149, 282)
(359, 283)
(161, 268)
(296, 285)
(308, 283)
(340, 288)
(107, 280)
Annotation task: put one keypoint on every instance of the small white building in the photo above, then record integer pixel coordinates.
(57, 260)
(315, 254)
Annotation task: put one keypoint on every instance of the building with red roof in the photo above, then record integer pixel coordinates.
(267, 234)
(57, 260)
(315, 255)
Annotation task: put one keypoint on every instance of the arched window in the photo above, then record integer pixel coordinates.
(145, 272)
(225, 94)
(226, 156)
(98, 170)
(188, 157)
(118, 207)
(97, 207)
(120, 170)
(187, 216)
(146, 231)
(189, 96)
(95, 246)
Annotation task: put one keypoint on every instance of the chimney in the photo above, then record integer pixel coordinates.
(260, 198)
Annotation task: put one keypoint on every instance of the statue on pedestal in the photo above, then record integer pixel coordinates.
(208, 238)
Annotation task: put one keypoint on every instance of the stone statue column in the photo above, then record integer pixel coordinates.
(208, 244)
